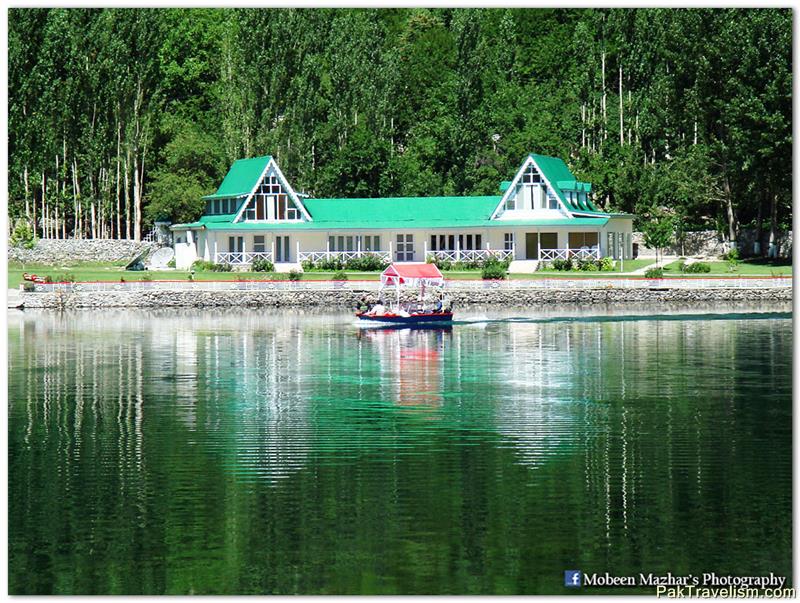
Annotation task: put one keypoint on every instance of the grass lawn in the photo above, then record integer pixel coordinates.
(109, 271)
(619, 268)
(758, 267)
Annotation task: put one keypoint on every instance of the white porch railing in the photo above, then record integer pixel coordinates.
(471, 255)
(318, 256)
(584, 253)
(242, 257)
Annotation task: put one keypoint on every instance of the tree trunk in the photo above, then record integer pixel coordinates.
(44, 206)
(603, 103)
(27, 192)
(773, 226)
(760, 222)
(137, 200)
(621, 122)
(119, 217)
(127, 200)
(731, 215)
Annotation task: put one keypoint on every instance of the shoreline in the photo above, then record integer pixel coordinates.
(348, 297)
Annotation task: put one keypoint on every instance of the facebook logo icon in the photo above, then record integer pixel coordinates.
(572, 578)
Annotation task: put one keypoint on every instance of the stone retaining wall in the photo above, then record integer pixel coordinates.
(348, 299)
(62, 251)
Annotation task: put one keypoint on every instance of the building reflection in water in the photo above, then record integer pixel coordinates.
(265, 393)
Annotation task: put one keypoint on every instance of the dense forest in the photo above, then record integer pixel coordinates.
(119, 117)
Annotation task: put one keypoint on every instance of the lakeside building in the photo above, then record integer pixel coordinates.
(543, 213)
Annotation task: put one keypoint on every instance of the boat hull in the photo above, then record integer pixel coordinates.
(414, 319)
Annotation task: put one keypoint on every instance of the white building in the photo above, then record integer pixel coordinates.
(544, 213)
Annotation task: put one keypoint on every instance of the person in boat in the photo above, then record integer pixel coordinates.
(437, 307)
(378, 309)
(363, 305)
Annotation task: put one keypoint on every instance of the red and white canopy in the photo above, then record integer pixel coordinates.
(412, 275)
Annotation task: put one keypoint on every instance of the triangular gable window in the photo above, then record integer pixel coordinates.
(271, 201)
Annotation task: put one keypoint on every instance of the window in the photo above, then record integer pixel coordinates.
(258, 243)
(578, 240)
(552, 200)
(405, 248)
(508, 241)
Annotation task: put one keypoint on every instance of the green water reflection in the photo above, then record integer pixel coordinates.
(253, 452)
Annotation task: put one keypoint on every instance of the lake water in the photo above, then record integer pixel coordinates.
(262, 452)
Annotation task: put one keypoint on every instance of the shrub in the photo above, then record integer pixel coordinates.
(294, 275)
(340, 275)
(262, 265)
(440, 263)
(586, 265)
(146, 277)
(330, 264)
(23, 235)
(67, 277)
(731, 255)
(493, 271)
(171, 263)
(28, 286)
(559, 264)
(201, 265)
(654, 273)
(366, 263)
(605, 264)
(494, 268)
(696, 268)
(308, 265)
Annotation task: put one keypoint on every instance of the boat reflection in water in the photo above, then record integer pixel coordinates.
(411, 360)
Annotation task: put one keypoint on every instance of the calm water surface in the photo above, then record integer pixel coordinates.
(255, 452)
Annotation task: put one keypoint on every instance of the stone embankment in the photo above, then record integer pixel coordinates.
(349, 298)
(60, 251)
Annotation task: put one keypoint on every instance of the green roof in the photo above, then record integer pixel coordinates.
(242, 178)
(394, 213)
(557, 172)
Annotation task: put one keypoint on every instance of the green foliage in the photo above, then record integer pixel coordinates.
(654, 273)
(559, 264)
(440, 263)
(262, 265)
(494, 269)
(23, 235)
(586, 265)
(28, 287)
(695, 268)
(295, 275)
(171, 263)
(368, 262)
(205, 266)
(401, 102)
(605, 264)
(339, 275)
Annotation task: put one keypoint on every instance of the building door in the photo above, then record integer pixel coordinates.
(531, 246)
(282, 248)
(405, 248)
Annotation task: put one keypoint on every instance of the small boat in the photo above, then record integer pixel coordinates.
(411, 319)
(410, 275)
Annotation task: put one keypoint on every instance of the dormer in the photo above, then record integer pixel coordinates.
(255, 190)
